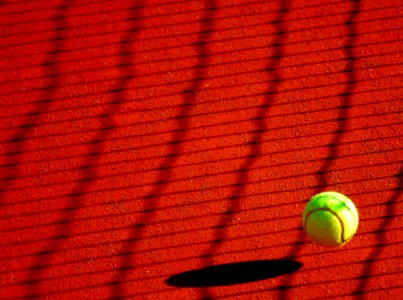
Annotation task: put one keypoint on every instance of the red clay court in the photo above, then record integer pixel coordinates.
(166, 149)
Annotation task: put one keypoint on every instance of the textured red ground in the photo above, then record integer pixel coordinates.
(143, 139)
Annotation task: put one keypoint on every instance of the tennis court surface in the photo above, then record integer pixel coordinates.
(166, 149)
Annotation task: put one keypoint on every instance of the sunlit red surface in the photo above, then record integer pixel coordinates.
(143, 139)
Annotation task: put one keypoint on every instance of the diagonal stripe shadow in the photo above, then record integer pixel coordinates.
(44, 212)
(192, 22)
(64, 230)
(187, 244)
(176, 13)
(344, 107)
(382, 240)
(15, 146)
(127, 263)
(255, 148)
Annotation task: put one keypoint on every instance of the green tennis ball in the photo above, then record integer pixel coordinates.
(330, 219)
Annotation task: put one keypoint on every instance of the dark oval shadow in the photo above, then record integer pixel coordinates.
(234, 273)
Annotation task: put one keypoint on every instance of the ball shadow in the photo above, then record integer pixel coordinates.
(234, 273)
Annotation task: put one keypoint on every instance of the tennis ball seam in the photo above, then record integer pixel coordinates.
(333, 213)
(342, 201)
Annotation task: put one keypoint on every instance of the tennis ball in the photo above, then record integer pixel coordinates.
(330, 219)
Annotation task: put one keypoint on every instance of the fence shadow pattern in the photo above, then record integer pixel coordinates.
(212, 275)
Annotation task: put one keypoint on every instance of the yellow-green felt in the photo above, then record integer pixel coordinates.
(330, 219)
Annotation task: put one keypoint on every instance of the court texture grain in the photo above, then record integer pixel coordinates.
(166, 149)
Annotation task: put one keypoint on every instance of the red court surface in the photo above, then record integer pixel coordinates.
(140, 140)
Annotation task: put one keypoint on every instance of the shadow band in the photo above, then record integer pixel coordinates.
(234, 273)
